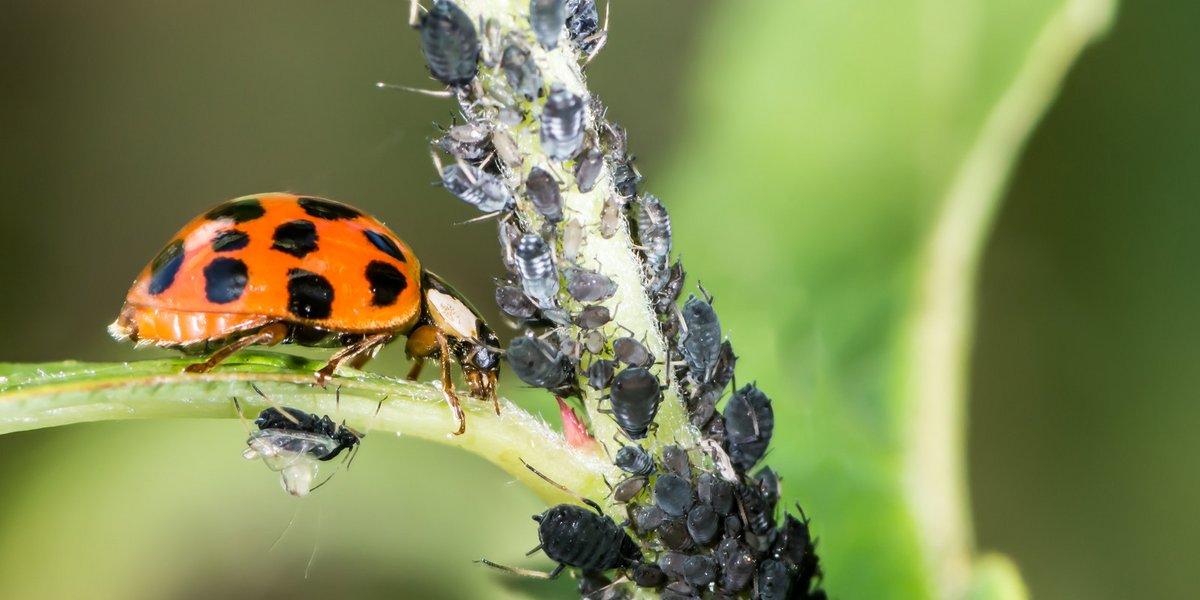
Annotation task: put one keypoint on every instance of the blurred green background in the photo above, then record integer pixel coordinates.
(122, 120)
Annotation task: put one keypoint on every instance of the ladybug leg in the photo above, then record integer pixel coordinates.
(357, 353)
(422, 343)
(448, 384)
(267, 336)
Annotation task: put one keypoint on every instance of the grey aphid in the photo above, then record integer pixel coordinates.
(587, 169)
(653, 232)
(521, 72)
(593, 316)
(562, 124)
(477, 187)
(546, 18)
(701, 345)
(589, 286)
(542, 190)
(610, 218)
(572, 240)
(632, 352)
(539, 277)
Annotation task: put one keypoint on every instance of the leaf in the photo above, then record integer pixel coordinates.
(861, 148)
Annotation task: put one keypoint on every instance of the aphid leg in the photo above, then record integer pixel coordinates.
(564, 488)
(352, 353)
(601, 36)
(460, 419)
(267, 336)
(525, 572)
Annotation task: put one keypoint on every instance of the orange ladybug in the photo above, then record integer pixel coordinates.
(279, 268)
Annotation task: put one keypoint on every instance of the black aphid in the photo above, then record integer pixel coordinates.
(574, 536)
(562, 124)
(715, 492)
(749, 424)
(339, 438)
(635, 460)
(535, 263)
(587, 169)
(542, 190)
(539, 364)
(773, 580)
(794, 548)
(675, 460)
(769, 484)
(699, 571)
(737, 566)
(647, 575)
(666, 287)
(760, 515)
(653, 232)
(585, 285)
(648, 518)
(294, 442)
(600, 375)
(521, 72)
(593, 316)
(674, 535)
(671, 564)
(594, 341)
(635, 394)
(450, 43)
(477, 187)
(583, 24)
(546, 18)
(701, 344)
(673, 494)
(514, 303)
(628, 489)
(632, 352)
(703, 524)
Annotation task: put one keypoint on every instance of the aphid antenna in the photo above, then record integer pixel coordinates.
(312, 558)
(237, 407)
(287, 528)
(483, 217)
(525, 572)
(707, 297)
(414, 13)
(466, 169)
(404, 88)
(279, 409)
(564, 488)
(601, 37)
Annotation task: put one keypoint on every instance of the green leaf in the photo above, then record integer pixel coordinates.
(861, 148)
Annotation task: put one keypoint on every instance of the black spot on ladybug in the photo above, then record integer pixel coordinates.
(385, 244)
(240, 211)
(225, 280)
(325, 209)
(310, 296)
(230, 240)
(297, 238)
(386, 283)
(165, 266)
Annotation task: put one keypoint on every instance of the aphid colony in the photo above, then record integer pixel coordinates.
(694, 531)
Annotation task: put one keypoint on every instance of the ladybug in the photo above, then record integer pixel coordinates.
(280, 268)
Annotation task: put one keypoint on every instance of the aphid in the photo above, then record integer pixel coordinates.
(573, 536)
(610, 218)
(539, 364)
(671, 564)
(647, 575)
(701, 344)
(749, 423)
(625, 177)
(716, 493)
(675, 460)
(600, 374)
(760, 516)
(539, 277)
(291, 442)
(653, 232)
(477, 187)
(635, 394)
(514, 303)
(589, 286)
(489, 44)
(773, 580)
(583, 24)
(546, 18)
(737, 566)
(769, 484)
(648, 518)
(628, 489)
(722, 373)
(562, 124)
(450, 44)
(699, 571)
(510, 237)
(669, 284)
(635, 460)
(521, 72)
(587, 169)
(572, 240)
(733, 527)
(673, 494)
(593, 316)
(632, 352)
(794, 548)
(468, 142)
(543, 193)
(280, 268)
(674, 535)
(505, 145)
(703, 524)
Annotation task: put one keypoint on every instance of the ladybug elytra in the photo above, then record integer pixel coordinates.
(279, 268)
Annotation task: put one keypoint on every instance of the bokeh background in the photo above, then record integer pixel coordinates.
(121, 120)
